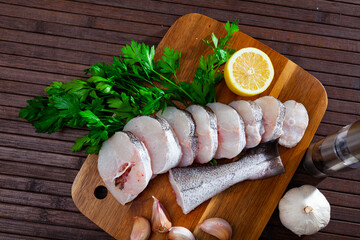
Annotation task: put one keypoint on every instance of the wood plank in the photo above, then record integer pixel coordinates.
(344, 106)
(246, 19)
(341, 119)
(35, 157)
(80, 20)
(328, 183)
(42, 65)
(79, 32)
(38, 171)
(257, 32)
(349, 173)
(50, 53)
(46, 216)
(10, 113)
(38, 144)
(280, 232)
(49, 231)
(300, 50)
(343, 94)
(141, 28)
(342, 199)
(37, 200)
(6, 236)
(326, 66)
(42, 39)
(276, 11)
(318, 5)
(16, 127)
(337, 80)
(12, 100)
(345, 214)
(32, 77)
(103, 11)
(301, 38)
(35, 185)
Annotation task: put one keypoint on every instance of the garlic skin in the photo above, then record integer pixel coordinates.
(217, 227)
(141, 229)
(180, 233)
(304, 210)
(160, 219)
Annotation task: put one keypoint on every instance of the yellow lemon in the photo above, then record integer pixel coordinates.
(248, 72)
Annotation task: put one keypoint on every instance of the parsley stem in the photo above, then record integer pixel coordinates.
(174, 84)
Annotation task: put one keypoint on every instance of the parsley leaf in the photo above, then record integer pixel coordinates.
(134, 84)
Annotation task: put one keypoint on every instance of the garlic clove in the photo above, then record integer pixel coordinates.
(180, 233)
(141, 229)
(160, 219)
(217, 227)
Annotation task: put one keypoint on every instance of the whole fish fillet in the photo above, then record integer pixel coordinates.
(295, 124)
(184, 127)
(124, 165)
(231, 132)
(273, 117)
(194, 185)
(251, 114)
(159, 139)
(206, 131)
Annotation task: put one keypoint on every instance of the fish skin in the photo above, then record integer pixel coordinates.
(207, 138)
(110, 161)
(184, 130)
(194, 185)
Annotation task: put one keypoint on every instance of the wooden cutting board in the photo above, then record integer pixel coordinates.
(247, 206)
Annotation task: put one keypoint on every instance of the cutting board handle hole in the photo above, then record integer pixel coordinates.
(100, 192)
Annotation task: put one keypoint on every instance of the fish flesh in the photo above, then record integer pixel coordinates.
(183, 125)
(273, 117)
(194, 185)
(231, 131)
(295, 124)
(124, 165)
(206, 131)
(159, 139)
(251, 114)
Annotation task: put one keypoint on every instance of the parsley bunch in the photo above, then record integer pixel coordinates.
(133, 85)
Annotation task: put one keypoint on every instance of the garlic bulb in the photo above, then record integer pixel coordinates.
(304, 210)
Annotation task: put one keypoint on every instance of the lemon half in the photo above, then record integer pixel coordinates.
(248, 72)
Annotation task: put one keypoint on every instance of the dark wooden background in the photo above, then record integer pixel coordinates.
(46, 41)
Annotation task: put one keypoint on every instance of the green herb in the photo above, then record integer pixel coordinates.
(213, 162)
(114, 94)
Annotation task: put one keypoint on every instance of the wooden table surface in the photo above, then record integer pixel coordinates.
(54, 40)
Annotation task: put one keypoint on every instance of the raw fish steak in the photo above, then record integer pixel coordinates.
(273, 117)
(295, 124)
(251, 114)
(159, 139)
(184, 127)
(124, 165)
(231, 132)
(206, 131)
